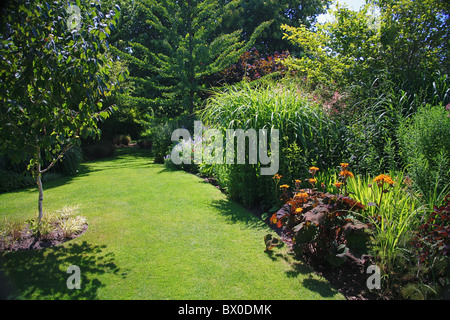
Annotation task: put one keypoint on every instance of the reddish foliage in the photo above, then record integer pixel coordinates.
(432, 238)
(251, 66)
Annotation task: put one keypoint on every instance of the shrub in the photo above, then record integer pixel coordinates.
(161, 134)
(251, 66)
(70, 162)
(10, 180)
(10, 233)
(425, 145)
(122, 140)
(144, 143)
(162, 141)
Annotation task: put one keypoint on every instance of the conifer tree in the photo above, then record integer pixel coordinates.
(179, 44)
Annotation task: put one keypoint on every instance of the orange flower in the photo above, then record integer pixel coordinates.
(274, 219)
(301, 195)
(337, 184)
(313, 170)
(383, 178)
(284, 186)
(344, 165)
(345, 173)
(298, 210)
(312, 180)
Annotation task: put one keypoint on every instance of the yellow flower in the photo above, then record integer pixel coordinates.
(313, 169)
(284, 186)
(298, 210)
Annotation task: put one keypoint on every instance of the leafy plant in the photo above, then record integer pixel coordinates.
(393, 211)
(425, 146)
(251, 66)
(323, 224)
(307, 134)
(71, 225)
(11, 233)
(432, 246)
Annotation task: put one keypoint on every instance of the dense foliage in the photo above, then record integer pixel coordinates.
(54, 76)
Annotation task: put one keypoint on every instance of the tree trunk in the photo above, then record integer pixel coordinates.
(41, 196)
(39, 183)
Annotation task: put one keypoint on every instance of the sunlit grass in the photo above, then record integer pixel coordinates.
(153, 234)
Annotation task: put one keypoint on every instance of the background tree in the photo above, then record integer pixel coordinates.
(406, 44)
(415, 38)
(172, 46)
(251, 13)
(54, 77)
(388, 64)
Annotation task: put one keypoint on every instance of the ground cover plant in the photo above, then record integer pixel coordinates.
(54, 228)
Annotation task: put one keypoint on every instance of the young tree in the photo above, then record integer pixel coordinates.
(54, 75)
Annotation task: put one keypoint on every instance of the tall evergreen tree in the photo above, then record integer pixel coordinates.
(173, 45)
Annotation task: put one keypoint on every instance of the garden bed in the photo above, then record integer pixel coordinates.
(349, 278)
(53, 229)
(28, 241)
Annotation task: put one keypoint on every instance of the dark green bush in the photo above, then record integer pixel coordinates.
(122, 140)
(70, 162)
(10, 180)
(162, 141)
(160, 135)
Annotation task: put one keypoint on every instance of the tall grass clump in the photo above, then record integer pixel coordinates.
(307, 134)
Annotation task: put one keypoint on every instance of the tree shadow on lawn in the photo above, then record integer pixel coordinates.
(235, 213)
(41, 274)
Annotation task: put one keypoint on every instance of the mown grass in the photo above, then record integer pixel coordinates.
(153, 234)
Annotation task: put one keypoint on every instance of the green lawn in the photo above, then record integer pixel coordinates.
(153, 234)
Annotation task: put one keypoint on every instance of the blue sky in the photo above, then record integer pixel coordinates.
(352, 4)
